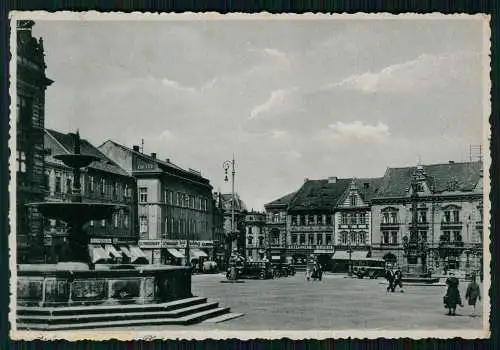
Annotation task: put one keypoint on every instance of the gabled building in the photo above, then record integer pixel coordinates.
(447, 230)
(276, 238)
(254, 235)
(102, 181)
(175, 206)
(235, 237)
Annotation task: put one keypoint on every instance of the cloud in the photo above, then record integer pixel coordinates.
(357, 130)
(422, 72)
(176, 86)
(166, 135)
(274, 103)
(279, 134)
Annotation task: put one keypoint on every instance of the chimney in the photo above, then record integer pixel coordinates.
(332, 180)
(306, 179)
(135, 148)
(167, 160)
(153, 155)
(366, 185)
(451, 162)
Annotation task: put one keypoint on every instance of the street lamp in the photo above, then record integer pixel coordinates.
(229, 164)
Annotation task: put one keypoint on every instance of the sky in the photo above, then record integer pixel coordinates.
(291, 99)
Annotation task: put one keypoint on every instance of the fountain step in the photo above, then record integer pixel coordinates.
(223, 318)
(88, 318)
(185, 320)
(97, 309)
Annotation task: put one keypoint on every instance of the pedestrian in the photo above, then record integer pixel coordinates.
(320, 272)
(452, 296)
(398, 280)
(389, 275)
(472, 294)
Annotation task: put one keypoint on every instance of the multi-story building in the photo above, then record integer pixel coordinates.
(31, 83)
(219, 234)
(102, 181)
(276, 225)
(447, 230)
(254, 235)
(175, 206)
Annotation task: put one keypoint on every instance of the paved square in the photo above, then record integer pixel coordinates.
(336, 303)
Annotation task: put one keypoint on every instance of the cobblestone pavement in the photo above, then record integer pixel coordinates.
(334, 303)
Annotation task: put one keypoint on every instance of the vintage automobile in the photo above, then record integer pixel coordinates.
(369, 267)
(283, 270)
(260, 270)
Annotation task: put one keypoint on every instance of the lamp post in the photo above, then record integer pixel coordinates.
(229, 164)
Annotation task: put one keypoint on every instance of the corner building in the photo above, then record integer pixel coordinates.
(175, 206)
(449, 209)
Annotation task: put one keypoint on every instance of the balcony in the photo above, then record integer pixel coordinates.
(451, 224)
(390, 225)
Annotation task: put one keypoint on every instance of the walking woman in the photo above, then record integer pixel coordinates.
(472, 294)
(452, 297)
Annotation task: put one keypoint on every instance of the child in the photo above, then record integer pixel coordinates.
(472, 294)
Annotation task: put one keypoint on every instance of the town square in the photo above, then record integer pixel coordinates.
(264, 174)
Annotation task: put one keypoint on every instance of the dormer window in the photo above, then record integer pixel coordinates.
(353, 200)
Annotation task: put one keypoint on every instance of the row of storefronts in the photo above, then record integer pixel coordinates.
(176, 252)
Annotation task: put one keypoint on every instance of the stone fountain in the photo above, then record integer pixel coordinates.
(75, 293)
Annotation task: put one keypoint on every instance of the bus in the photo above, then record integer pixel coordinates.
(369, 267)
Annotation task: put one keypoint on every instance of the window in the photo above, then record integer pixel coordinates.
(143, 224)
(170, 197)
(328, 219)
(91, 223)
(394, 237)
(344, 219)
(68, 186)
(323, 219)
(191, 202)
(312, 219)
(91, 183)
(456, 216)
(102, 185)
(343, 238)
(362, 238)
(385, 218)
(457, 237)
(352, 238)
(385, 237)
(302, 238)
(116, 220)
(205, 204)
(58, 185)
(419, 187)
(362, 218)
(250, 240)
(143, 195)
(353, 201)
(319, 239)
(21, 161)
(261, 241)
(310, 239)
(352, 219)
(294, 238)
(302, 219)
(125, 220)
(422, 216)
(447, 216)
(294, 220)
(114, 190)
(177, 198)
(393, 217)
(276, 217)
(328, 239)
(422, 235)
(103, 223)
(446, 236)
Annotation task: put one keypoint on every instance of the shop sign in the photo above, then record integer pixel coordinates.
(150, 243)
(100, 241)
(123, 241)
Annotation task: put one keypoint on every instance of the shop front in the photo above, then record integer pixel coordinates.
(116, 251)
(173, 252)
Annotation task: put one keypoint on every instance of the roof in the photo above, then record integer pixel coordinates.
(226, 199)
(368, 187)
(281, 201)
(66, 144)
(465, 176)
(319, 195)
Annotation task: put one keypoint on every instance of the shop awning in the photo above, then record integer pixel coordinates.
(125, 251)
(197, 253)
(98, 254)
(355, 255)
(112, 251)
(175, 253)
(137, 255)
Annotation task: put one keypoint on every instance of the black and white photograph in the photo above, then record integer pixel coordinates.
(249, 176)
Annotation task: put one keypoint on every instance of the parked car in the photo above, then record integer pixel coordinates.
(260, 270)
(283, 270)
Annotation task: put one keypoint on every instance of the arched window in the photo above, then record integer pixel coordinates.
(361, 238)
(343, 238)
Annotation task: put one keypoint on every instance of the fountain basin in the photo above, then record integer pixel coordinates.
(51, 285)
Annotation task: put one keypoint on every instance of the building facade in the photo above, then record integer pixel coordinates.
(102, 181)
(31, 84)
(175, 206)
(276, 234)
(255, 235)
(447, 230)
(235, 236)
